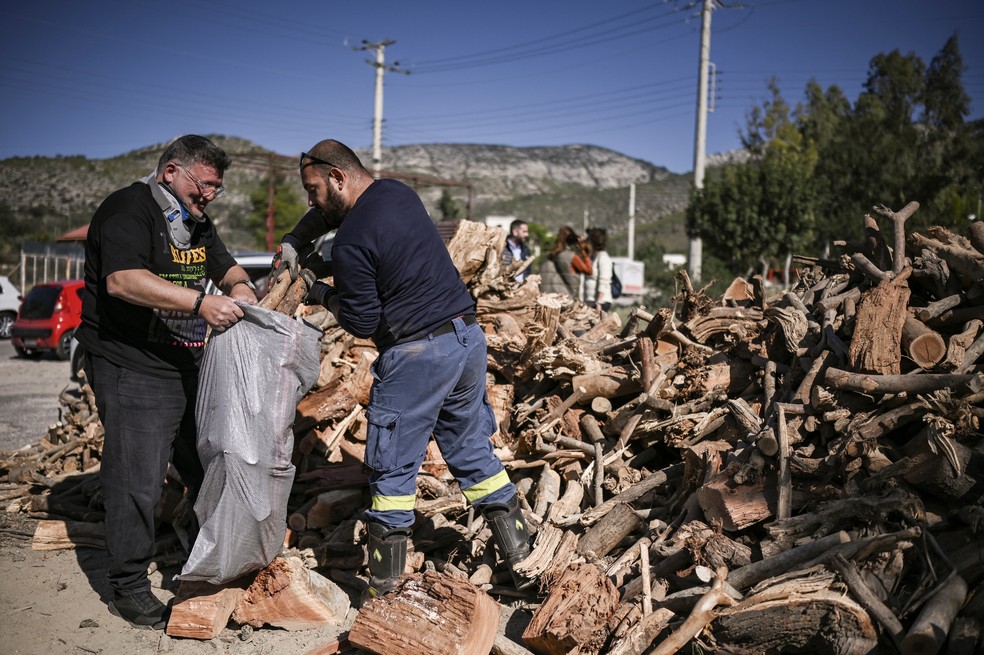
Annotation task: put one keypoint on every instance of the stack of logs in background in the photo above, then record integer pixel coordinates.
(784, 471)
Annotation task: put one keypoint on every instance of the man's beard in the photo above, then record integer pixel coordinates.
(334, 211)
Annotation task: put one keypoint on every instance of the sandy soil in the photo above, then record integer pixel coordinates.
(55, 602)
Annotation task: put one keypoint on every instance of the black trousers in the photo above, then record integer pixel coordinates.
(148, 421)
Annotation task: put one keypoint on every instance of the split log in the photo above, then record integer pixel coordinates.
(428, 613)
(553, 543)
(876, 346)
(737, 506)
(540, 333)
(474, 247)
(814, 618)
(929, 631)
(202, 610)
(641, 636)
(68, 535)
(328, 404)
(287, 595)
(574, 617)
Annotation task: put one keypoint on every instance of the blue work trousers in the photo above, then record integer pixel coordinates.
(148, 421)
(434, 385)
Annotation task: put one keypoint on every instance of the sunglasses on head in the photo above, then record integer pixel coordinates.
(312, 160)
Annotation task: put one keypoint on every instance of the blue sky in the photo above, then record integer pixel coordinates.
(102, 77)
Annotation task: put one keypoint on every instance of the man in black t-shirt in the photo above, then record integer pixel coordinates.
(395, 283)
(149, 252)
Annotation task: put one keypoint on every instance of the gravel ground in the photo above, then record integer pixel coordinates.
(28, 396)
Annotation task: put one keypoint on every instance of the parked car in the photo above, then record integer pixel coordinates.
(256, 264)
(47, 319)
(9, 303)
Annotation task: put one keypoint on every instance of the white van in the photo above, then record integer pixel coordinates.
(9, 304)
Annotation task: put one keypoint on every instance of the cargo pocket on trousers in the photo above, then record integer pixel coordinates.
(381, 438)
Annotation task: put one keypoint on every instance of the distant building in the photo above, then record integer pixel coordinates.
(674, 260)
(501, 222)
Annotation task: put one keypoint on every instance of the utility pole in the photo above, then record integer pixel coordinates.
(377, 118)
(632, 221)
(696, 246)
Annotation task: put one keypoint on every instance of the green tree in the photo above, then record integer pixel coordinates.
(882, 140)
(451, 209)
(822, 119)
(287, 205)
(949, 169)
(754, 213)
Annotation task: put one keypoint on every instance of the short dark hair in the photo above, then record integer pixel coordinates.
(339, 154)
(517, 223)
(191, 149)
(598, 238)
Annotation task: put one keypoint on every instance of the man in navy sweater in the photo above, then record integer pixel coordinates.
(395, 283)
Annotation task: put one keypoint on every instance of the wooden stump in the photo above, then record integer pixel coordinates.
(287, 595)
(202, 610)
(574, 617)
(802, 615)
(429, 613)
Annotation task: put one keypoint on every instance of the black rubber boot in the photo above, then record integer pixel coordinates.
(387, 559)
(511, 535)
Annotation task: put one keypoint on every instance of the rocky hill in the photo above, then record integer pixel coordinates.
(548, 185)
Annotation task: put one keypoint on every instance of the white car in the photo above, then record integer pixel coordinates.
(9, 304)
(257, 265)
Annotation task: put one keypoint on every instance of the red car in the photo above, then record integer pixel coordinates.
(47, 319)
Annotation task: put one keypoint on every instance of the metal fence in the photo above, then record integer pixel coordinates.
(45, 262)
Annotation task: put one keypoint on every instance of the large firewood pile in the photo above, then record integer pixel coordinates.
(768, 471)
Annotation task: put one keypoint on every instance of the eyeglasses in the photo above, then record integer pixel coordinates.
(314, 160)
(206, 189)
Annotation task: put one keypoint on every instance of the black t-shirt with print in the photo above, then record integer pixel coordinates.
(129, 232)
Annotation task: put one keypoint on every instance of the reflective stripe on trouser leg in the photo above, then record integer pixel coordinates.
(433, 386)
(393, 503)
(485, 489)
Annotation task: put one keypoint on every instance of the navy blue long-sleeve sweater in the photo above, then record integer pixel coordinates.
(393, 273)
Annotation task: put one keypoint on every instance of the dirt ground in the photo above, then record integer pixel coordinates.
(55, 602)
